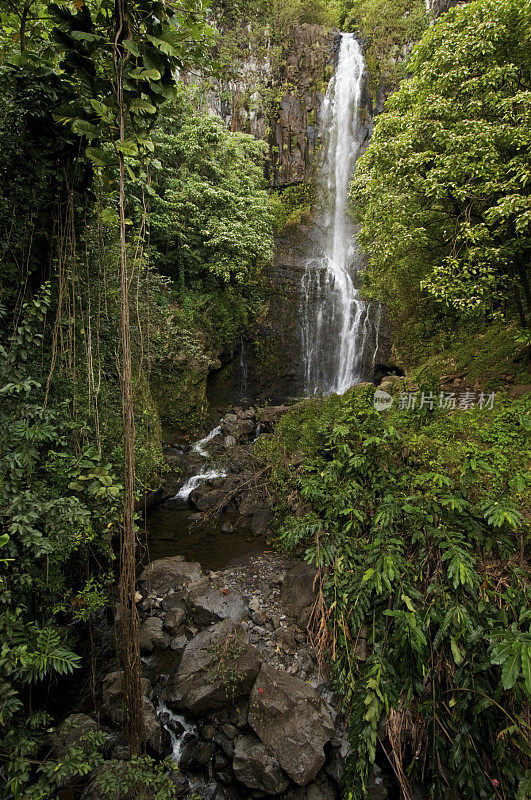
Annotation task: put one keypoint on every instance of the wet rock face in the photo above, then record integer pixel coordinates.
(256, 768)
(301, 82)
(293, 127)
(438, 7)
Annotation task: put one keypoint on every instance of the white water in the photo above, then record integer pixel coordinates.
(193, 482)
(205, 474)
(199, 447)
(337, 332)
(177, 741)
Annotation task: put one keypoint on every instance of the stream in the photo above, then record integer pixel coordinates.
(177, 526)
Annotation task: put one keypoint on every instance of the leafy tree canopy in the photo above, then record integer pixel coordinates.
(210, 213)
(443, 190)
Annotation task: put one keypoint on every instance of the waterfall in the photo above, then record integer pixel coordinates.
(338, 333)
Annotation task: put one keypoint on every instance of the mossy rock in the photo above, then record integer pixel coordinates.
(179, 393)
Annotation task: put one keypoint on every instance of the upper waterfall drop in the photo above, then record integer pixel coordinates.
(338, 335)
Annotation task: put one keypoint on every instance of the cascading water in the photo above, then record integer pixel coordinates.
(339, 334)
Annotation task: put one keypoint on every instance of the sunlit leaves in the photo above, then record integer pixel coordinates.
(210, 217)
(512, 650)
(441, 190)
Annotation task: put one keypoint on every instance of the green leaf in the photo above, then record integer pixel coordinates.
(164, 47)
(131, 46)
(456, 652)
(145, 74)
(83, 36)
(84, 128)
(127, 147)
(140, 106)
(99, 156)
(511, 667)
(524, 787)
(526, 667)
(409, 603)
(101, 109)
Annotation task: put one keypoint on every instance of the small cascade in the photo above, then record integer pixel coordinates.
(339, 336)
(193, 482)
(206, 473)
(179, 729)
(199, 447)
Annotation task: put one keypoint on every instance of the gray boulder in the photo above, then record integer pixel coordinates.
(292, 721)
(211, 605)
(169, 573)
(255, 768)
(260, 522)
(298, 592)
(72, 731)
(251, 503)
(151, 636)
(112, 708)
(218, 666)
(270, 415)
(204, 497)
(157, 738)
(196, 753)
(174, 621)
(245, 427)
(321, 789)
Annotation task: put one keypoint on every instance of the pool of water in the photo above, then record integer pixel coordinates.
(171, 532)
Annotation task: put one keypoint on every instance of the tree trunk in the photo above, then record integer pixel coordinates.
(23, 23)
(129, 645)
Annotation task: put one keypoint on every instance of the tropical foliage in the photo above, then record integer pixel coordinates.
(416, 520)
(66, 138)
(443, 190)
(210, 216)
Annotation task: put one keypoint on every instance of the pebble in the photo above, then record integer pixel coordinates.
(254, 604)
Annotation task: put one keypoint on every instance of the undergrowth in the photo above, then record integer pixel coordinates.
(417, 521)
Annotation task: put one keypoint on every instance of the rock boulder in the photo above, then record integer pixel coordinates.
(165, 574)
(211, 605)
(218, 666)
(255, 768)
(292, 721)
(112, 697)
(298, 592)
(151, 636)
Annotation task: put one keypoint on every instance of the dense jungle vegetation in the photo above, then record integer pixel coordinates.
(135, 228)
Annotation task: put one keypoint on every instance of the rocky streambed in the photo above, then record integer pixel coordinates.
(231, 684)
(232, 689)
(215, 506)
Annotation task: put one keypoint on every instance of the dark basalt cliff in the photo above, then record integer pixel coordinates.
(307, 69)
(278, 100)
